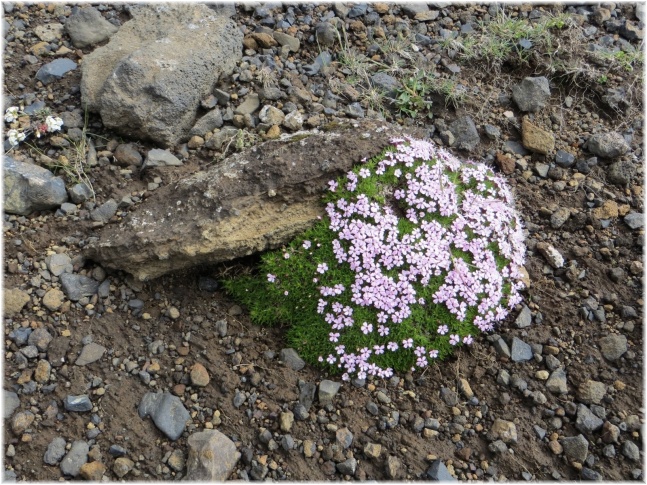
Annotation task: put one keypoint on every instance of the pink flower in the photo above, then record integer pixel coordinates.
(286, 255)
(366, 328)
(408, 343)
(306, 244)
(271, 278)
(454, 339)
(443, 329)
(322, 268)
(468, 340)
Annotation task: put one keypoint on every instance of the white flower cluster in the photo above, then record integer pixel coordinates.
(11, 114)
(52, 123)
(15, 137)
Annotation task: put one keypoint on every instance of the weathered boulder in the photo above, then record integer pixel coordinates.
(147, 82)
(29, 188)
(253, 201)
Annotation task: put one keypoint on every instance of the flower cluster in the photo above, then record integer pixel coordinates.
(19, 132)
(419, 253)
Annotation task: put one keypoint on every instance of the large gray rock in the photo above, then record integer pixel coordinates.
(75, 458)
(87, 27)
(212, 456)
(608, 144)
(147, 82)
(532, 94)
(167, 411)
(246, 204)
(77, 286)
(29, 188)
(464, 130)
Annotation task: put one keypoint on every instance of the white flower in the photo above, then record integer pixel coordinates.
(11, 114)
(15, 137)
(53, 123)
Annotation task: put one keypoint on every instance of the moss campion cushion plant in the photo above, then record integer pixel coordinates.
(418, 254)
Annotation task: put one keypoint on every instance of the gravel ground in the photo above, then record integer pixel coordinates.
(102, 372)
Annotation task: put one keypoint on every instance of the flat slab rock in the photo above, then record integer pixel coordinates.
(253, 201)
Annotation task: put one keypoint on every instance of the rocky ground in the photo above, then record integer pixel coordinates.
(556, 394)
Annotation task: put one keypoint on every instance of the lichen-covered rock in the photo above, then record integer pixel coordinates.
(246, 204)
(148, 81)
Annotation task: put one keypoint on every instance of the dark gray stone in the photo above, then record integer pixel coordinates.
(355, 110)
(55, 70)
(466, 134)
(88, 27)
(564, 159)
(557, 383)
(515, 147)
(520, 351)
(449, 397)
(590, 475)
(347, 467)
(608, 144)
(77, 404)
(77, 286)
(79, 193)
(492, 132)
(40, 338)
(524, 319)
(21, 335)
(501, 347)
(291, 358)
(412, 9)
(586, 421)
(326, 34)
(532, 94)
(11, 403)
(105, 211)
(75, 458)
(168, 413)
(327, 391)
(29, 188)
(634, 220)
(161, 158)
(117, 451)
(55, 451)
(631, 450)
(388, 84)
(209, 122)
